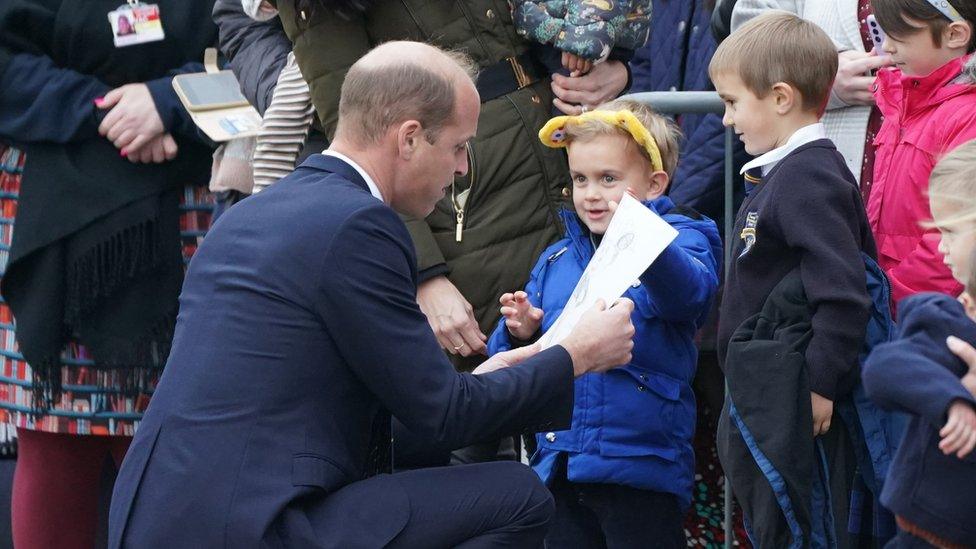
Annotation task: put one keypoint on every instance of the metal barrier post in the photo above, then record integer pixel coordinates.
(688, 102)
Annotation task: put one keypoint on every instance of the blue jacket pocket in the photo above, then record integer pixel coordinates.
(639, 415)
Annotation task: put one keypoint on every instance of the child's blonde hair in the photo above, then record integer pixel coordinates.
(780, 47)
(662, 129)
(953, 180)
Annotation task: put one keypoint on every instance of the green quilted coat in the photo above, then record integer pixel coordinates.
(516, 184)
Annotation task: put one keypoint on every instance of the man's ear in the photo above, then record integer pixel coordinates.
(785, 96)
(957, 35)
(658, 184)
(408, 135)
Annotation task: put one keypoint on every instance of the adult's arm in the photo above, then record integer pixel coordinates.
(257, 50)
(368, 305)
(721, 21)
(43, 102)
(916, 373)
(171, 111)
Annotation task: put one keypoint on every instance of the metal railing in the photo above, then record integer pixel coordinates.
(691, 102)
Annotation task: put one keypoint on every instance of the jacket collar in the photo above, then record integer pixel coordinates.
(338, 166)
(902, 94)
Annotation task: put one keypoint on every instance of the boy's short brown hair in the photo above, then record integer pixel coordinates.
(780, 47)
(892, 15)
(664, 131)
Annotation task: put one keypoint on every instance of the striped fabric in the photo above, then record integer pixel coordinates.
(285, 127)
(91, 402)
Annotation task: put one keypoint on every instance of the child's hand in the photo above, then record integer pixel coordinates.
(959, 433)
(823, 409)
(576, 65)
(521, 318)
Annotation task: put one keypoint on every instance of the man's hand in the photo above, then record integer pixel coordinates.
(604, 82)
(451, 317)
(823, 409)
(602, 339)
(967, 353)
(959, 433)
(132, 119)
(157, 150)
(854, 83)
(521, 318)
(507, 359)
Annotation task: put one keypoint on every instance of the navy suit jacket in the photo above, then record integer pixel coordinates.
(298, 328)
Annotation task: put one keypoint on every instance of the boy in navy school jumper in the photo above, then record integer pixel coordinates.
(803, 210)
(931, 486)
(622, 475)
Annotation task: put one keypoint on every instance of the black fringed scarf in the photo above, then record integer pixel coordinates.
(96, 257)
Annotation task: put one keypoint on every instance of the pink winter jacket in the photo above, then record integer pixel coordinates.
(924, 118)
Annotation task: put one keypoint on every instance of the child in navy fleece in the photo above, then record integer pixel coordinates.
(931, 486)
(622, 474)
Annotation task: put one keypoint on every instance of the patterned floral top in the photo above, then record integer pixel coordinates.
(91, 402)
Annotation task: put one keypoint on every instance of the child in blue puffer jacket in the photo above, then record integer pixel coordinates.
(622, 475)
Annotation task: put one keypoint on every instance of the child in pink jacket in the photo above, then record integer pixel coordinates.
(928, 100)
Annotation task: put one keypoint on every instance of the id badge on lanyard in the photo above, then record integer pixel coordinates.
(135, 23)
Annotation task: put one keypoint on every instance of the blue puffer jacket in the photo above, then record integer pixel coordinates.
(633, 425)
(676, 58)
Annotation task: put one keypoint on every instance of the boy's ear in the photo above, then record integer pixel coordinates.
(785, 96)
(658, 184)
(958, 34)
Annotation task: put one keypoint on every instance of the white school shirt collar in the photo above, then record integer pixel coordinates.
(800, 137)
(373, 189)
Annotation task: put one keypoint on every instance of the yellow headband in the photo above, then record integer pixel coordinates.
(553, 134)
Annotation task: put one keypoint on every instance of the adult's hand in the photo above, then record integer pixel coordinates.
(507, 359)
(132, 118)
(451, 317)
(854, 84)
(823, 411)
(157, 150)
(604, 82)
(602, 339)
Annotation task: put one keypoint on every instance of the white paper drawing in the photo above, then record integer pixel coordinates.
(635, 238)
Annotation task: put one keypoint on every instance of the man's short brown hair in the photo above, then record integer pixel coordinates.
(780, 47)
(893, 17)
(377, 96)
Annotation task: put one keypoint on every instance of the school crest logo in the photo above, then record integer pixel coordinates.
(748, 234)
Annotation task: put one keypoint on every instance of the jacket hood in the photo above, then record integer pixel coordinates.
(677, 216)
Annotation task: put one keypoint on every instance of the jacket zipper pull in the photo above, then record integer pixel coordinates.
(460, 226)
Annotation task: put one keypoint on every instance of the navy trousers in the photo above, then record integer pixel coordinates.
(499, 504)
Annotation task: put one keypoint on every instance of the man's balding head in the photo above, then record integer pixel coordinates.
(399, 81)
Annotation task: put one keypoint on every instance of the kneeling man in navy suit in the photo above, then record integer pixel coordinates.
(299, 335)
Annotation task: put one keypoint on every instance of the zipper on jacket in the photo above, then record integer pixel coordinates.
(460, 200)
(474, 27)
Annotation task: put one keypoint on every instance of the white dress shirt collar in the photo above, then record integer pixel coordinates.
(800, 137)
(373, 189)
